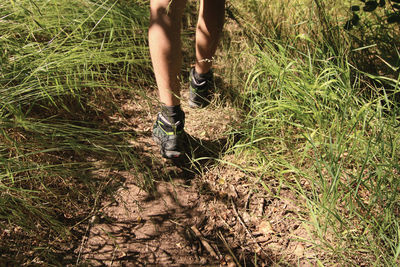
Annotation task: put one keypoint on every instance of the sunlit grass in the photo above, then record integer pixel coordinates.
(317, 118)
(61, 63)
(313, 119)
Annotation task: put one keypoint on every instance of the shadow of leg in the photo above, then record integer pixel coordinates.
(200, 153)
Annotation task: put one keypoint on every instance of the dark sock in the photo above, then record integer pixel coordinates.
(201, 77)
(173, 113)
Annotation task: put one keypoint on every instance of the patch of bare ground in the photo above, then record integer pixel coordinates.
(195, 212)
(266, 224)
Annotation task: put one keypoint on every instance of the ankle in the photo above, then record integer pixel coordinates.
(200, 77)
(173, 114)
(202, 68)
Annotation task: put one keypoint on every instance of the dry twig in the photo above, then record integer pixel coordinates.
(228, 248)
(247, 229)
(204, 242)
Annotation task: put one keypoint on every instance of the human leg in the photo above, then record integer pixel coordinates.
(208, 32)
(165, 47)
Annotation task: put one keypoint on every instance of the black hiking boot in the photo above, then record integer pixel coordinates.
(200, 89)
(170, 137)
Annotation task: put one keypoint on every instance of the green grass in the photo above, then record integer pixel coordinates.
(61, 63)
(313, 118)
(320, 108)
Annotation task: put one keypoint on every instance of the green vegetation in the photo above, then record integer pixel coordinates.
(62, 63)
(320, 107)
(323, 120)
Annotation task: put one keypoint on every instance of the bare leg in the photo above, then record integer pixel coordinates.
(165, 47)
(208, 32)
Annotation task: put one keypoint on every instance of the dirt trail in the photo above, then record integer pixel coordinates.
(212, 216)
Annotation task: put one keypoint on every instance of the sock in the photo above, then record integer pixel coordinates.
(200, 78)
(173, 114)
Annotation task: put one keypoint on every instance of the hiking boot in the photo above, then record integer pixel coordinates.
(200, 90)
(170, 137)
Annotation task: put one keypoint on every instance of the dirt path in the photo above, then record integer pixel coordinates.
(213, 215)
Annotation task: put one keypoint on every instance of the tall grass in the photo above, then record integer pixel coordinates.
(320, 116)
(323, 128)
(61, 63)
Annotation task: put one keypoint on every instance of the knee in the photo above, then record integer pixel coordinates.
(161, 9)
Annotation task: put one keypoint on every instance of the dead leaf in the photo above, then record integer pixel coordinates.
(265, 228)
(299, 251)
(246, 217)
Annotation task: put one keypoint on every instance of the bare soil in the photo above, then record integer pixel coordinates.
(198, 212)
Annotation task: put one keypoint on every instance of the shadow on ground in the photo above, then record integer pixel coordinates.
(123, 203)
(159, 215)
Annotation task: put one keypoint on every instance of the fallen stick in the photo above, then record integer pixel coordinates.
(229, 249)
(204, 242)
(247, 229)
